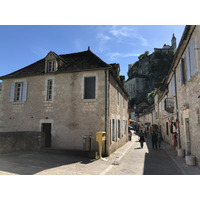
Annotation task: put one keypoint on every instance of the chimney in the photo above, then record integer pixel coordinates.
(122, 80)
(88, 48)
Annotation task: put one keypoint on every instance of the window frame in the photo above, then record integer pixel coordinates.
(18, 91)
(94, 95)
(51, 64)
(18, 95)
(49, 90)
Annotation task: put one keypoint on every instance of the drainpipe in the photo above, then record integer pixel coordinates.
(177, 111)
(106, 108)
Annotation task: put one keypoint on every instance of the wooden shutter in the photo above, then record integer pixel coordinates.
(180, 76)
(111, 130)
(24, 92)
(188, 64)
(193, 57)
(183, 70)
(120, 126)
(117, 129)
(12, 92)
(172, 87)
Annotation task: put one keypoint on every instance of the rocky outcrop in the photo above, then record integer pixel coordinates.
(154, 66)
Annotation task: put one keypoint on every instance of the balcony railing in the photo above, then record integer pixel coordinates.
(169, 105)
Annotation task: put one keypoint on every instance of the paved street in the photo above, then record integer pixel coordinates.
(145, 161)
(127, 160)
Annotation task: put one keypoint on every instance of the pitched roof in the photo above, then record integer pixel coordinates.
(75, 62)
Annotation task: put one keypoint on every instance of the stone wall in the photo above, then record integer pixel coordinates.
(117, 112)
(20, 141)
(189, 105)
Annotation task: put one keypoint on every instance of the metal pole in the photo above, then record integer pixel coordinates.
(177, 112)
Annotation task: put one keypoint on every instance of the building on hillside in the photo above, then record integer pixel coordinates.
(67, 97)
(167, 48)
(178, 101)
(136, 85)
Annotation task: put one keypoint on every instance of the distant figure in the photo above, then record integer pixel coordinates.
(142, 140)
(154, 139)
(159, 139)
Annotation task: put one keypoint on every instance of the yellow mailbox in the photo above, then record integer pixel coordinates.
(100, 137)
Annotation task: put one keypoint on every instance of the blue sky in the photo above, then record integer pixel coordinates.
(21, 45)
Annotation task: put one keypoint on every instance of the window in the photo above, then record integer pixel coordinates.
(182, 72)
(167, 128)
(113, 130)
(119, 128)
(18, 92)
(89, 87)
(49, 90)
(51, 66)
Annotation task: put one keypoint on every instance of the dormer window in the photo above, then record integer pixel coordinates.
(51, 66)
(52, 62)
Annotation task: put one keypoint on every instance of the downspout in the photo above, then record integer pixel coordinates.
(177, 112)
(106, 108)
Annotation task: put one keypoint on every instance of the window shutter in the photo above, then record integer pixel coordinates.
(117, 129)
(111, 130)
(180, 75)
(172, 87)
(12, 92)
(193, 57)
(24, 93)
(120, 127)
(188, 65)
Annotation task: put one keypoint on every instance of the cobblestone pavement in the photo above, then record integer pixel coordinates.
(127, 160)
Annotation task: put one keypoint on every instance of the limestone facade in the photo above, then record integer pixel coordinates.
(70, 115)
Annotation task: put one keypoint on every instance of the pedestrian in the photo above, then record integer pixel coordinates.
(154, 139)
(159, 139)
(142, 140)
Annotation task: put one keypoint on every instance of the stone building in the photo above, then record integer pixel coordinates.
(67, 97)
(136, 85)
(167, 48)
(177, 103)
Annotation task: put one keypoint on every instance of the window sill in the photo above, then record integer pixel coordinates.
(89, 100)
(17, 102)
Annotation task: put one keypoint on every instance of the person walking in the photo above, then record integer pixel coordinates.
(142, 140)
(159, 139)
(154, 139)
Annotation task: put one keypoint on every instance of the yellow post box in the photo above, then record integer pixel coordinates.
(100, 137)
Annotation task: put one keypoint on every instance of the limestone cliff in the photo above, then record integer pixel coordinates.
(155, 67)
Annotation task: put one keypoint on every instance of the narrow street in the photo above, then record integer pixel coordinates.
(146, 161)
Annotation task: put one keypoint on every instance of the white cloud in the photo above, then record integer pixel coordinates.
(39, 51)
(103, 39)
(125, 35)
(127, 32)
(115, 55)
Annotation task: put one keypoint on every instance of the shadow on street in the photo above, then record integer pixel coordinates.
(157, 162)
(29, 163)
